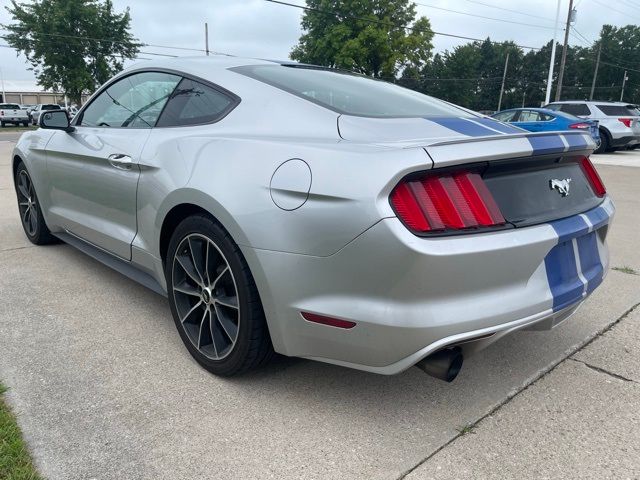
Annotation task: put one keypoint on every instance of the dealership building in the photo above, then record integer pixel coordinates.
(28, 92)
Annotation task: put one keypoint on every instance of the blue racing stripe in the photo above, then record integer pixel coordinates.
(546, 144)
(590, 262)
(562, 274)
(462, 126)
(504, 128)
(598, 217)
(576, 142)
(569, 228)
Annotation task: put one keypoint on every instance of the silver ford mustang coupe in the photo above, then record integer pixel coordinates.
(317, 213)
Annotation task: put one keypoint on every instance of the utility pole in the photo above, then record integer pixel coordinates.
(206, 37)
(624, 80)
(595, 73)
(547, 96)
(504, 77)
(564, 50)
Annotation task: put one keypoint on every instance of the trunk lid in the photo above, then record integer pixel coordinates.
(534, 177)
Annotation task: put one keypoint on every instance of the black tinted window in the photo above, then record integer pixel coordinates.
(9, 106)
(614, 110)
(50, 107)
(134, 101)
(575, 108)
(193, 103)
(351, 94)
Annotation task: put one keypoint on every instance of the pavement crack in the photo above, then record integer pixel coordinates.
(602, 370)
(15, 248)
(543, 373)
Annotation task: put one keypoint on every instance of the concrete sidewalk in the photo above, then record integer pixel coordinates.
(581, 420)
(103, 387)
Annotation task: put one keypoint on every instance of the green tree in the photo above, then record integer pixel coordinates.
(72, 45)
(366, 36)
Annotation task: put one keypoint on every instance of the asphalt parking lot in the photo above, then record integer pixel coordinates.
(104, 389)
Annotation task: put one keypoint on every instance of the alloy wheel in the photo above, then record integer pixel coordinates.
(206, 296)
(27, 203)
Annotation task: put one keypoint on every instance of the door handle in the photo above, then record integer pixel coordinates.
(121, 161)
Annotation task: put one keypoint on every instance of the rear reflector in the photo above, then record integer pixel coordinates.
(626, 121)
(332, 322)
(441, 202)
(594, 178)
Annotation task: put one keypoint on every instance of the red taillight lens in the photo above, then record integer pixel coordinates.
(582, 126)
(626, 121)
(451, 201)
(594, 178)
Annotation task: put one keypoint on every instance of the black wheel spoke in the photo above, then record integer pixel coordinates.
(187, 266)
(228, 326)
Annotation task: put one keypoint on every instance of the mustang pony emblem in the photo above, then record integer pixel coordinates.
(561, 185)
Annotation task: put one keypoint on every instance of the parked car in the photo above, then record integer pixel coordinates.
(13, 114)
(318, 213)
(545, 120)
(619, 127)
(37, 111)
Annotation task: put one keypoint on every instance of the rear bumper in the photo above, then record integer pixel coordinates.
(411, 296)
(624, 141)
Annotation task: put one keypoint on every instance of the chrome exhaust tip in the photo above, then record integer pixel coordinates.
(443, 364)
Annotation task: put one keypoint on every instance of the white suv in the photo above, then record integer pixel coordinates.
(619, 122)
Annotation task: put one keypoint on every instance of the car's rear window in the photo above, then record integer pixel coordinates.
(50, 107)
(9, 106)
(615, 110)
(349, 93)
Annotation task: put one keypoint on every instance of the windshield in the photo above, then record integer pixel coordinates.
(50, 107)
(349, 93)
(9, 106)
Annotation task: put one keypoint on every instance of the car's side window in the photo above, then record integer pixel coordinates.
(505, 116)
(528, 116)
(193, 103)
(576, 109)
(135, 101)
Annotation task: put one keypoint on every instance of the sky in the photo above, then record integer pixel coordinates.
(260, 29)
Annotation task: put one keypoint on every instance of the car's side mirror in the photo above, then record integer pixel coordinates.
(56, 120)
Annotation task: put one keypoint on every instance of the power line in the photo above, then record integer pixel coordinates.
(482, 16)
(108, 40)
(386, 24)
(609, 7)
(510, 10)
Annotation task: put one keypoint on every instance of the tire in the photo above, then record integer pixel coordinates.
(222, 325)
(25, 124)
(31, 217)
(2, 124)
(605, 142)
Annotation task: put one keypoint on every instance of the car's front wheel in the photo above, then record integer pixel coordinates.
(214, 299)
(31, 216)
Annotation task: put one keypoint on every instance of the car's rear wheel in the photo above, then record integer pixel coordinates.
(214, 299)
(31, 216)
(605, 142)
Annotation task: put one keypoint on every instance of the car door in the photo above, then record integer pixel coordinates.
(94, 170)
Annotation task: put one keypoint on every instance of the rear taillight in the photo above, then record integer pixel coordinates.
(626, 121)
(592, 175)
(449, 201)
(582, 126)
